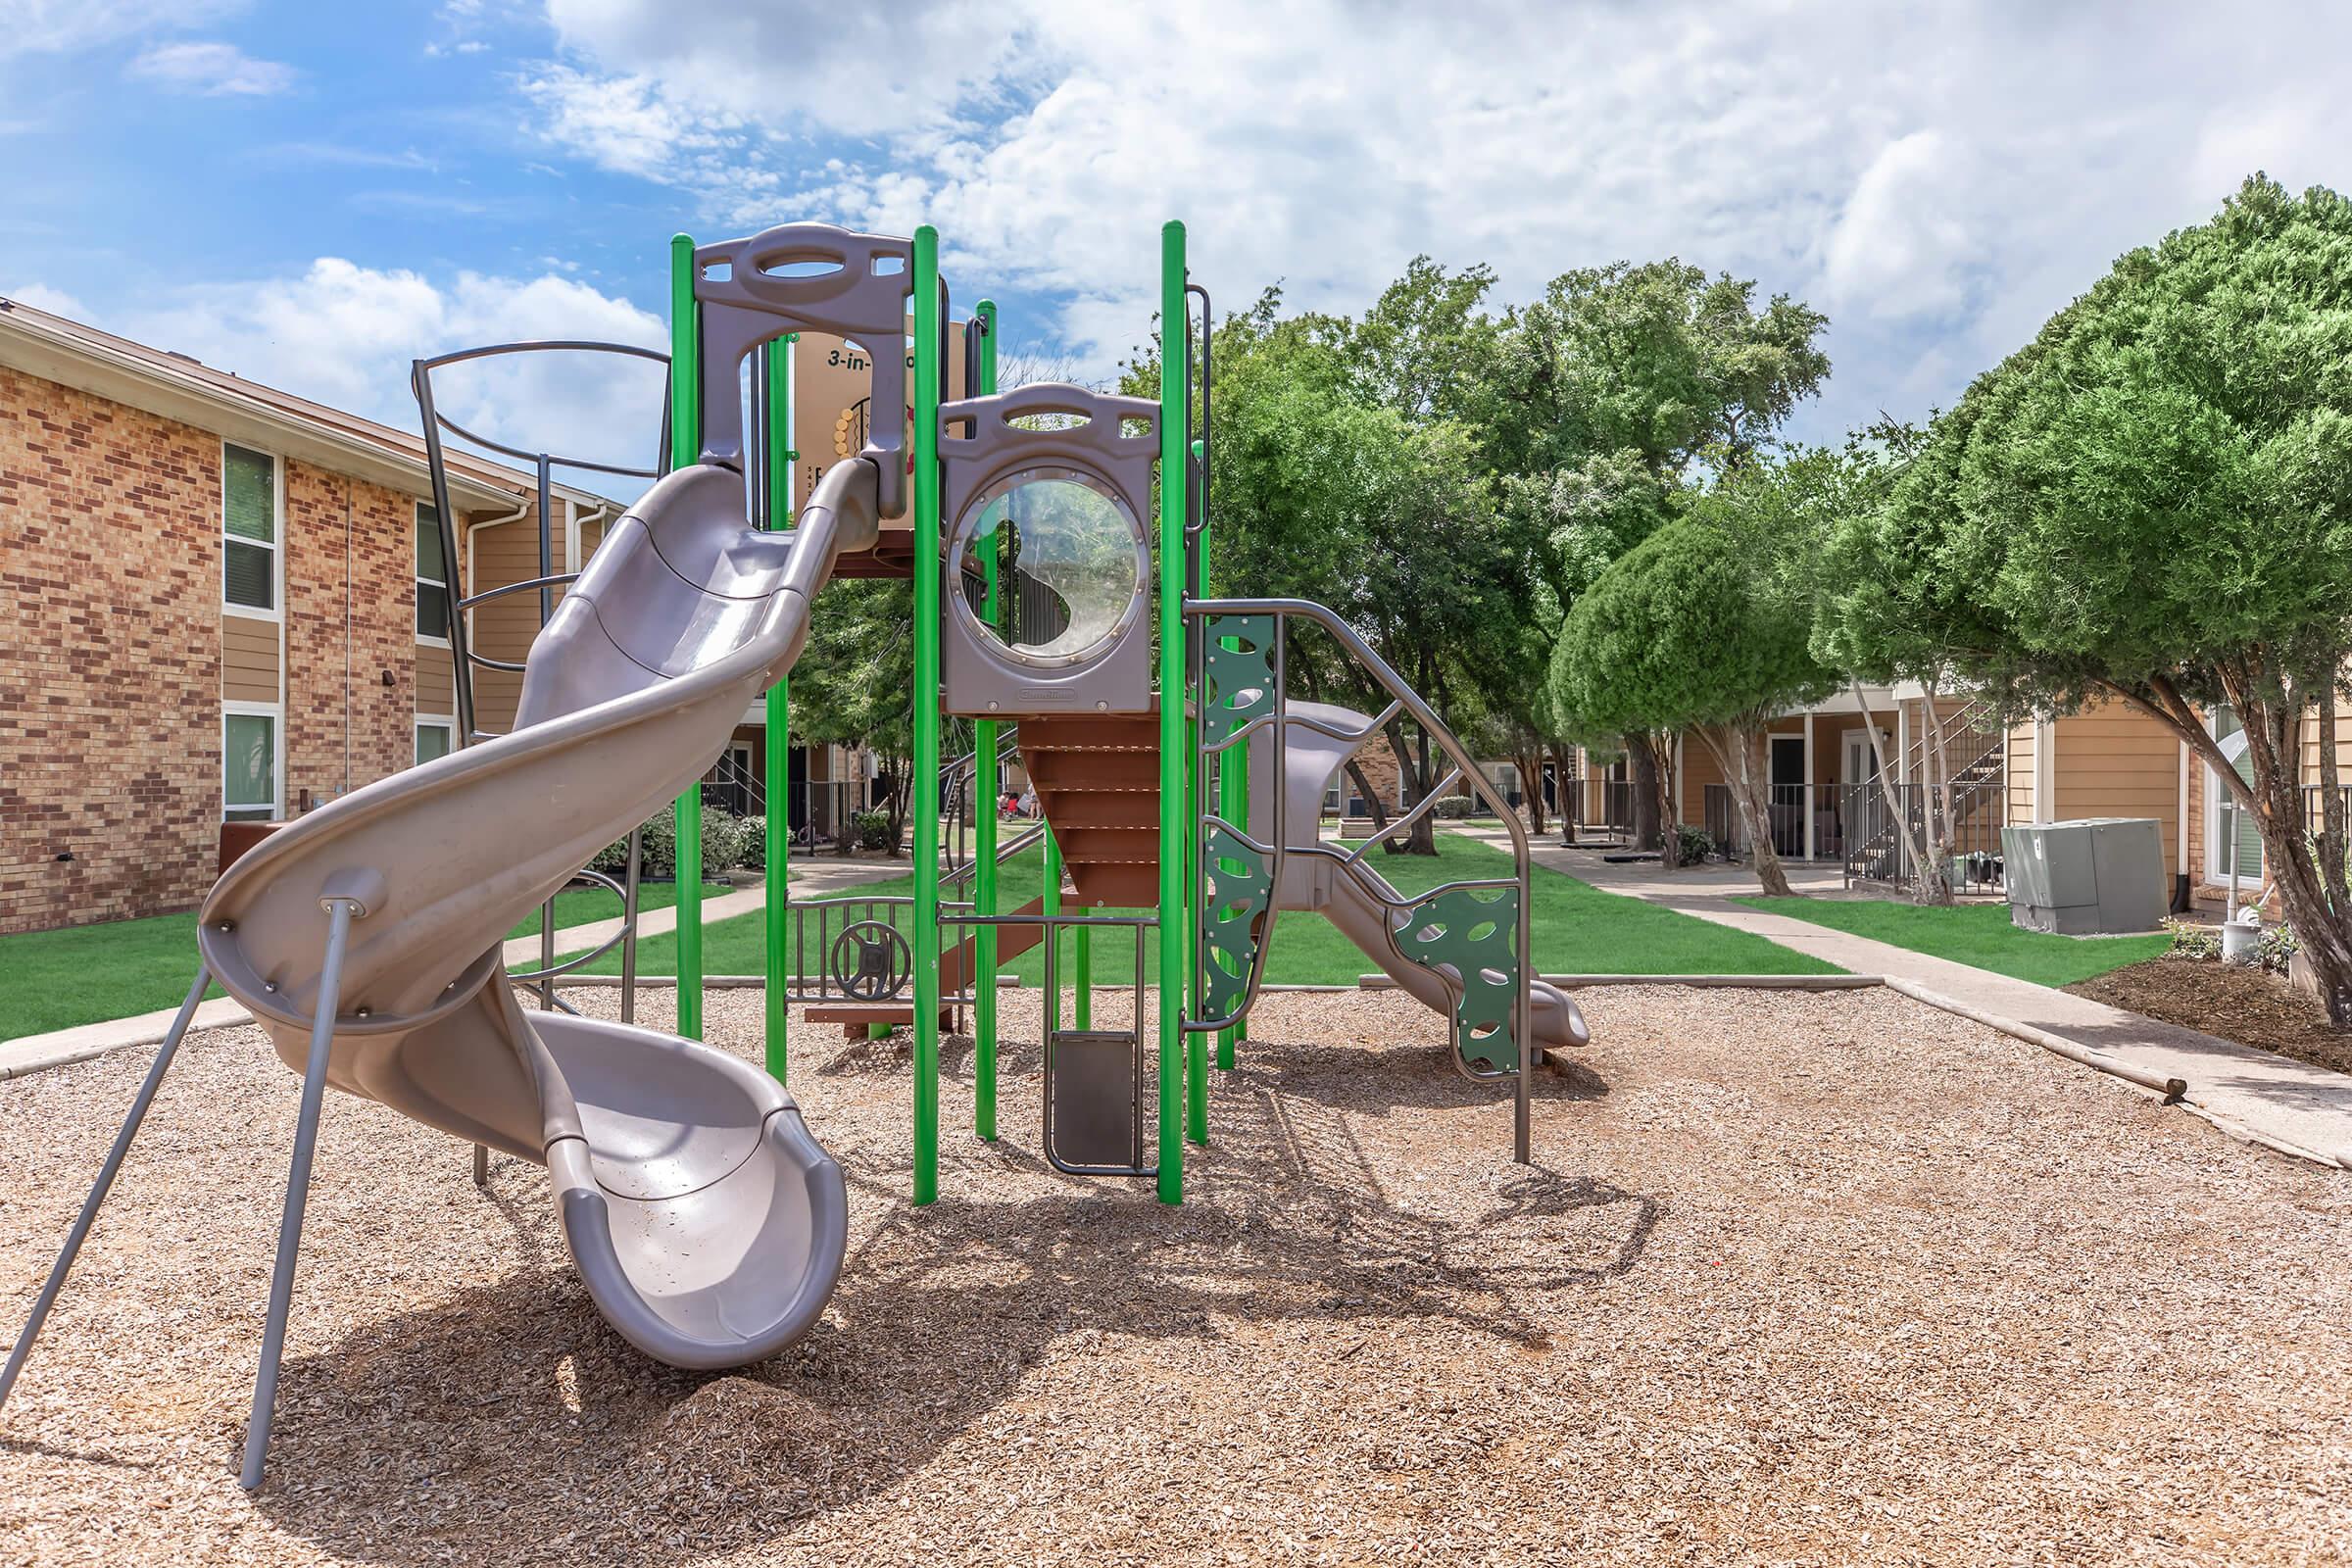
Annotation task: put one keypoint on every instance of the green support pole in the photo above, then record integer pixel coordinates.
(984, 849)
(1051, 894)
(686, 449)
(925, 783)
(1176, 825)
(778, 764)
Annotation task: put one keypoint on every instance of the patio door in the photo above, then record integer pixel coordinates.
(1787, 798)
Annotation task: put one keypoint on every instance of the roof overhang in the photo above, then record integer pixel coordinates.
(152, 382)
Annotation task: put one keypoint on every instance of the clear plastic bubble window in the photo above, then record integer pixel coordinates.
(1071, 564)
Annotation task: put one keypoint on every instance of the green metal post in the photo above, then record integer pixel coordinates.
(984, 849)
(925, 783)
(1052, 893)
(779, 763)
(686, 449)
(1176, 825)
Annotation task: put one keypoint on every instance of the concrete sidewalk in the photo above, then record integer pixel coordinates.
(815, 879)
(2254, 1095)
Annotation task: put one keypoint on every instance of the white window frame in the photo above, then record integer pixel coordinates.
(278, 541)
(2218, 799)
(442, 721)
(449, 595)
(275, 713)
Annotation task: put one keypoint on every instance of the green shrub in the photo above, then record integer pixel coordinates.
(727, 841)
(2193, 941)
(1454, 807)
(872, 829)
(1698, 844)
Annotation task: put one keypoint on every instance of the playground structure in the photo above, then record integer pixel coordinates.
(1180, 789)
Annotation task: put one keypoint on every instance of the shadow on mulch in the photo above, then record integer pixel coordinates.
(2234, 1002)
(510, 1424)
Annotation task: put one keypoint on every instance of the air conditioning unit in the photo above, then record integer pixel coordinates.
(2098, 876)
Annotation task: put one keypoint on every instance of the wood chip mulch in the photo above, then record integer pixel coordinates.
(2234, 1002)
(1797, 1279)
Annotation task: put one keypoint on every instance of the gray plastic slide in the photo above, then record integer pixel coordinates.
(706, 1221)
(1356, 899)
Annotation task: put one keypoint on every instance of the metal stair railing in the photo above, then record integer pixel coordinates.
(1876, 854)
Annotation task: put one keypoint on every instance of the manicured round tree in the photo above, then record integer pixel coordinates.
(1704, 628)
(2152, 502)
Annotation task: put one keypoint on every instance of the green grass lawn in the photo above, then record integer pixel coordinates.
(87, 974)
(1976, 934)
(1578, 929)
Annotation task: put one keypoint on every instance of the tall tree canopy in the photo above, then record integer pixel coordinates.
(2152, 502)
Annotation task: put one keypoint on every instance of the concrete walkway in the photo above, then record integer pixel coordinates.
(812, 879)
(2253, 1095)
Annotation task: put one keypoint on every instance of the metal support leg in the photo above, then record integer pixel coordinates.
(298, 1190)
(481, 1165)
(99, 1188)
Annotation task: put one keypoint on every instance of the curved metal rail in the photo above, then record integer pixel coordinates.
(463, 657)
(1405, 702)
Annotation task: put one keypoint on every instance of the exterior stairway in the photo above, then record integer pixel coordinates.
(1096, 777)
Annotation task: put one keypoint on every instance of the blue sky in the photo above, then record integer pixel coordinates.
(310, 194)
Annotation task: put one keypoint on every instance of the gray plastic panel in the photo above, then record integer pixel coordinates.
(980, 446)
(862, 296)
(1095, 1084)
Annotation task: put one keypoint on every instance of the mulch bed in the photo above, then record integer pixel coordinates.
(1796, 1279)
(2235, 1001)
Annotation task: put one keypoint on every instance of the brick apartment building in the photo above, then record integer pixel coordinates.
(225, 602)
(228, 603)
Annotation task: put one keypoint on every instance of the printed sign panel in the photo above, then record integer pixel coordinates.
(833, 382)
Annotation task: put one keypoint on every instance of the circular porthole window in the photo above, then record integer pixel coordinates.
(1071, 565)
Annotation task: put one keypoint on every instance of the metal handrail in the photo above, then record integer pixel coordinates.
(463, 657)
(1406, 701)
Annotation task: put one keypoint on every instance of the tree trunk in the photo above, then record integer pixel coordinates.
(1648, 800)
(1898, 808)
(1641, 771)
(1413, 782)
(1739, 750)
(1931, 886)
(1531, 788)
(1372, 801)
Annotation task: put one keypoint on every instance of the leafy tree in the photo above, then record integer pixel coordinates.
(1705, 627)
(1607, 400)
(2152, 502)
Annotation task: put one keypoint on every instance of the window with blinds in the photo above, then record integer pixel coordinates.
(432, 578)
(249, 532)
(2232, 842)
(432, 738)
(248, 767)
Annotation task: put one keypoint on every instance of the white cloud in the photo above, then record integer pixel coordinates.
(1940, 180)
(66, 26)
(56, 302)
(212, 69)
(344, 335)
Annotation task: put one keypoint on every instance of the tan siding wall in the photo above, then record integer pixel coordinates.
(503, 628)
(436, 684)
(2019, 755)
(248, 660)
(2115, 761)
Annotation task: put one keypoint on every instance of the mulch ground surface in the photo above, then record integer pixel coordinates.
(2235, 1001)
(1796, 1279)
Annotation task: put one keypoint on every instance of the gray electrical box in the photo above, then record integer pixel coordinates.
(2100, 875)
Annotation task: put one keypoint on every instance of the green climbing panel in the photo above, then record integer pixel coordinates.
(1237, 895)
(1236, 918)
(1475, 932)
(1242, 675)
